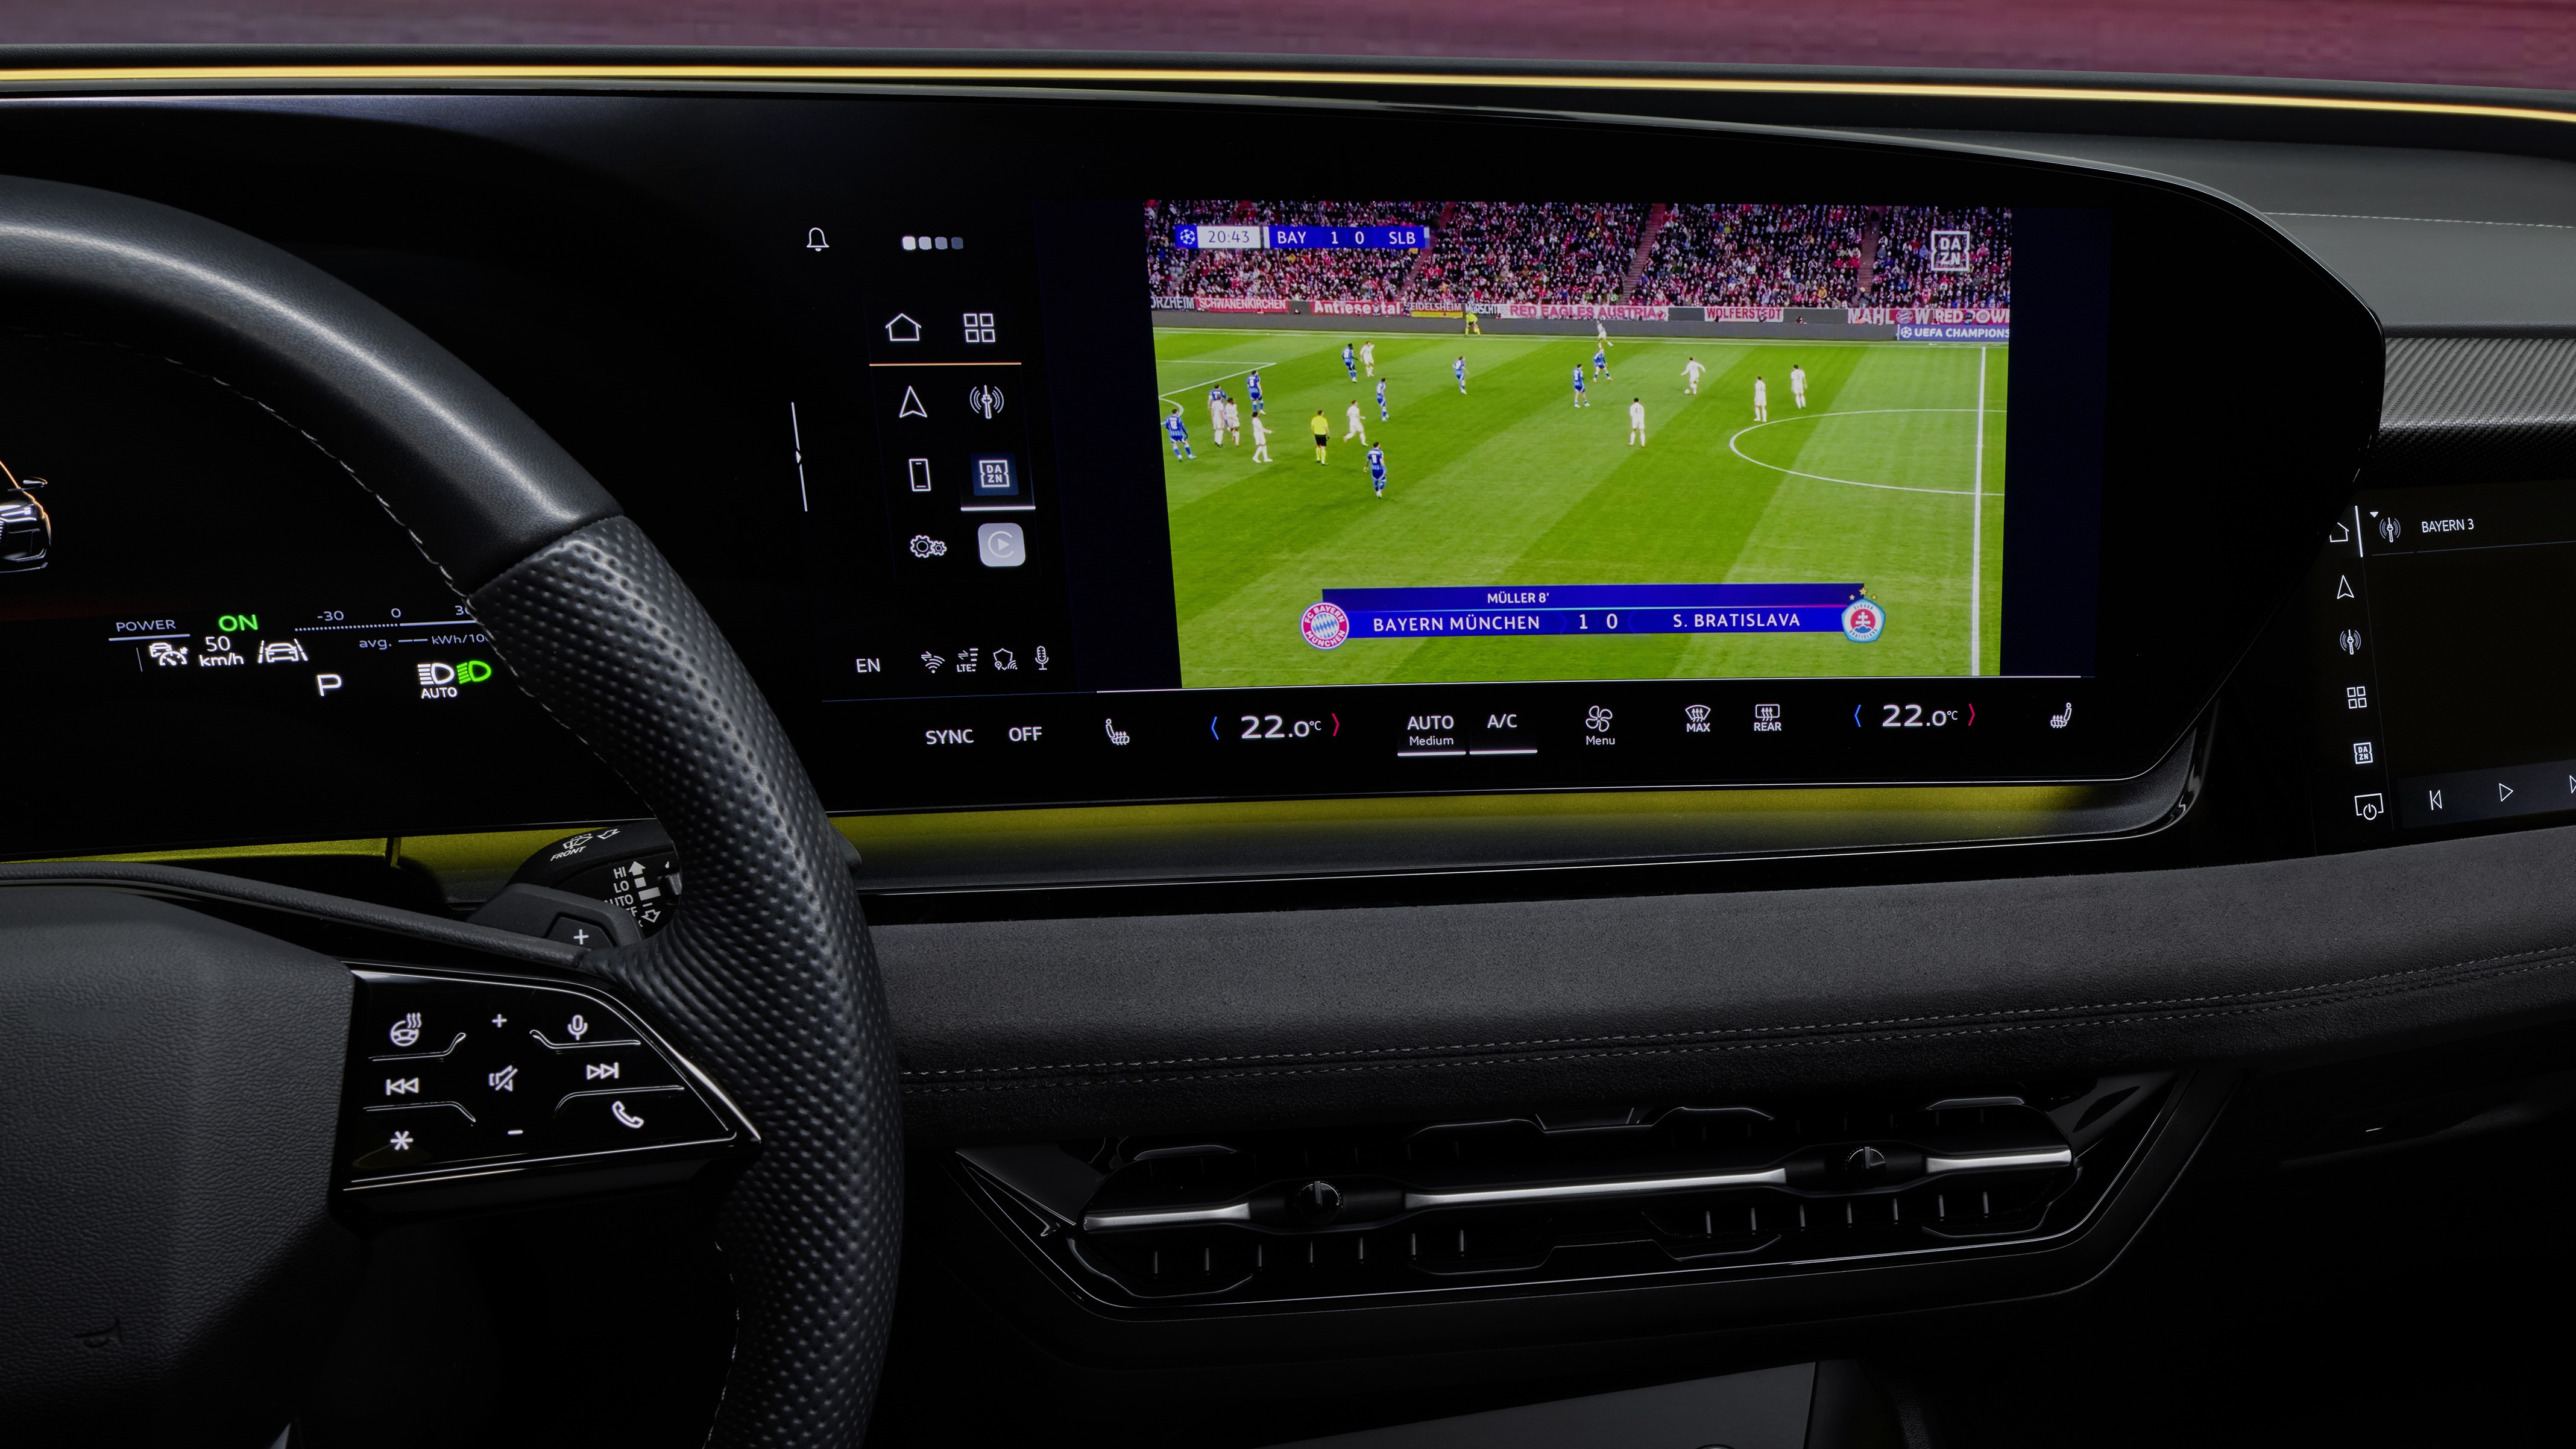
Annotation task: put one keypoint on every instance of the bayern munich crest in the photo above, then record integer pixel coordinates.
(1863, 619)
(1324, 625)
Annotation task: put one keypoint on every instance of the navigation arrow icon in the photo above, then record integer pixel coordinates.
(2343, 586)
(911, 407)
(2504, 792)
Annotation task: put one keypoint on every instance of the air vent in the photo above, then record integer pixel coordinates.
(1432, 1207)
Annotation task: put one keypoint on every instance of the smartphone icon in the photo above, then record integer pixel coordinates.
(624, 1117)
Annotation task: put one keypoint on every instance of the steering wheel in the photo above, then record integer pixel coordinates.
(173, 1263)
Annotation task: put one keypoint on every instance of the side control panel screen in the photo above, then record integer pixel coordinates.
(2431, 709)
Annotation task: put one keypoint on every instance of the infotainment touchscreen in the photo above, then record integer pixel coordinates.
(1458, 491)
(1451, 440)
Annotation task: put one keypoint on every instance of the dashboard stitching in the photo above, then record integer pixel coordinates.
(2319, 994)
(2440, 220)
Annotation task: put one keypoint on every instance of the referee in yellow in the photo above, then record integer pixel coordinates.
(1322, 428)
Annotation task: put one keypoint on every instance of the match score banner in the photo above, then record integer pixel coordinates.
(1208, 237)
(1605, 610)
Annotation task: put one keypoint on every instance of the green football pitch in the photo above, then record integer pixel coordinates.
(1892, 477)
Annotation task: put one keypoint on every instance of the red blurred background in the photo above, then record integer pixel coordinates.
(2463, 42)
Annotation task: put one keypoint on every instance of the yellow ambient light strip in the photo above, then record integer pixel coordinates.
(1128, 75)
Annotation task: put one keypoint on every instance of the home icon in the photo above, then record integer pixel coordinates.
(903, 329)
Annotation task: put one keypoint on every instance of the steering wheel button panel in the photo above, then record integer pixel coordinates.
(454, 1074)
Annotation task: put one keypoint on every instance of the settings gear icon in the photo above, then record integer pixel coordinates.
(924, 546)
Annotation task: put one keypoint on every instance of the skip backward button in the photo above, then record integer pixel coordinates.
(2470, 796)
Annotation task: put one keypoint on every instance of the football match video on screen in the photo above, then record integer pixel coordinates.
(1457, 440)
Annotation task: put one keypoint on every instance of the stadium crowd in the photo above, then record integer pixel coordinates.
(1485, 253)
(1770, 256)
(1518, 251)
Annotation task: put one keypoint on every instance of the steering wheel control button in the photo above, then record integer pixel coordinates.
(579, 1033)
(402, 1145)
(621, 1119)
(533, 1082)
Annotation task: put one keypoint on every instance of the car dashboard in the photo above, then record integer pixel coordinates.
(1670, 690)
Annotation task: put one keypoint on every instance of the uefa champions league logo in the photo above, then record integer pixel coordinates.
(1324, 625)
(1863, 619)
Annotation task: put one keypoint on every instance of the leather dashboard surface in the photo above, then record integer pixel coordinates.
(1134, 1024)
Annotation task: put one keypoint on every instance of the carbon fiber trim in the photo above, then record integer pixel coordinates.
(767, 980)
(2463, 409)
